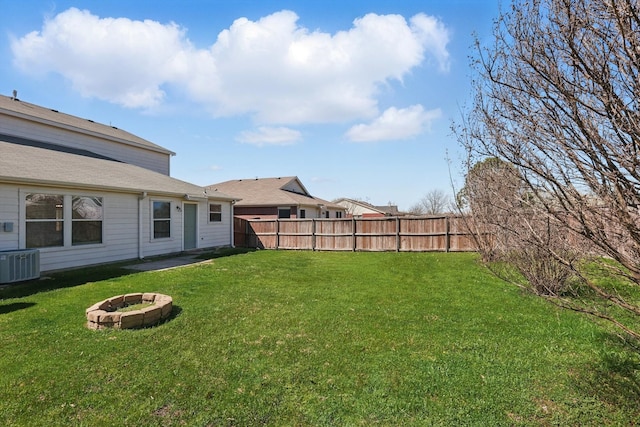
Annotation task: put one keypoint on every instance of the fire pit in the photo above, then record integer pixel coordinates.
(111, 313)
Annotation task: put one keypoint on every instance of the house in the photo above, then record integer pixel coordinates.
(84, 193)
(360, 209)
(269, 198)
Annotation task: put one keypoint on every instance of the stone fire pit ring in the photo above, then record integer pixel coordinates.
(104, 314)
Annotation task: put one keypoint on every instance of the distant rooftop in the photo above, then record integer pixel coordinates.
(286, 190)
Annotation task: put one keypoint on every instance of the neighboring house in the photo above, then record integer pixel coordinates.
(390, 210)
(268, 198)
(84, 193)
(360, 209)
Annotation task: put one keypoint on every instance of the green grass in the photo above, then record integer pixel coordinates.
(305, 338)
(134, 307)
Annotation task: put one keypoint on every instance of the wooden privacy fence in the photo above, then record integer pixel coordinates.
(401, 234)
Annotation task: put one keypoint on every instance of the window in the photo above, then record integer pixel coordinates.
(161, 220)
(86, 226)
(54, 220)
(303, 213)
(284, 212)
(215, 212)
(326, 214)
(338, 214)
(44, 220)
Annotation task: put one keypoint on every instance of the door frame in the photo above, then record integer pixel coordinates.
(185, 217)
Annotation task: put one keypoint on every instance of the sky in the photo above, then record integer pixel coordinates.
(355, 98)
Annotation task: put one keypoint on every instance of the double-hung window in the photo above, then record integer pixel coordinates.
(44, 220)
(215, 212)
(161, 220)
(86, 225)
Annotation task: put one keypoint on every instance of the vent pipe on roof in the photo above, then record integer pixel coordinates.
(15, 95)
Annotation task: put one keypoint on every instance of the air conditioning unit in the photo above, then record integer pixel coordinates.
(19, 265)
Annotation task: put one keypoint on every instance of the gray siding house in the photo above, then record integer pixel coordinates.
(85, 193)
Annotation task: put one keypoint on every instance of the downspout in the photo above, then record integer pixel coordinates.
(231, 205)
(141, 198)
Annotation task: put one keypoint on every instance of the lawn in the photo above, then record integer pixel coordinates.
(311, 339)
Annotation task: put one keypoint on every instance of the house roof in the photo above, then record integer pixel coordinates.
(362, 204)
(390, 209)
(386, 210)
(46, 167)
(282, 191)
(16, 108)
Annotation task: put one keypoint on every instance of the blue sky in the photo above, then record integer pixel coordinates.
(356, 98)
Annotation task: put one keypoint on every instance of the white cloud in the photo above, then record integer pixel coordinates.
(395, 124)
(434, 36)
(118, 60)
(272, 69)
(270, 136)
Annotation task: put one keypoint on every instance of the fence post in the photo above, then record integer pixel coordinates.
(277, 233)
(447, 236)
(313, 234)
(247, 237)
(251, 239)
(398, 243)
(353, 233)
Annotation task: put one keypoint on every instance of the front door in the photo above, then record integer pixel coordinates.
(190, 226)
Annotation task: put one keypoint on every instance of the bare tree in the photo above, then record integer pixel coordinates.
(517, 241)
(416, 209)
(435, 202)
(556, 97)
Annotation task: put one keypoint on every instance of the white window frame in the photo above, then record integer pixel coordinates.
(153, 219)
(80, 220)
(66, 219)
(218, 213)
